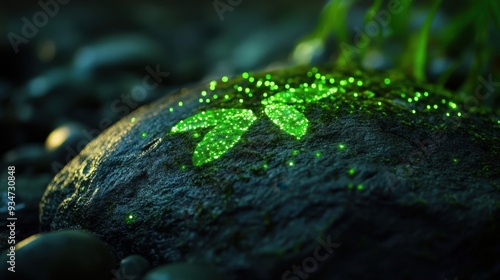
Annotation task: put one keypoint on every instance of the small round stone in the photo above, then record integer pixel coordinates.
(185, 271)
(134, 266)
(61, 255)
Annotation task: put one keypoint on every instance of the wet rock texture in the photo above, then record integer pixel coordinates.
(380, 186)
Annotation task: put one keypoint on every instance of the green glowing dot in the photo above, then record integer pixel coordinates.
(435, 106)
(379, 103)
(309, 74)
(215, 96)
(144, 134)
(259, 83)
(180, 103)
(443, 101)
(403, 95)
(244, 75)
(409, 100)
(268, 76)
(240, 89)
(200, 100)
(453, 105)
(428, 107)
(130, 218)
(355, 94)
(171, 109)
(265, 166)
(318, 154)
(459, 114)
(351, 171)
(317, 75)
(413, 111)
(241, 100)
(265, 94)
(387, 81)
(343, 82)
(332, 80)
(351, 80)
(251, 79)
(183, 167)
(418, 94)
(225, 79)
(360, 187)
(196, 135)
(415, 98)
(314, 69)
(455, 160)
(247, 90)
(295, 152)
(226, 96)
(132, 120)
(359, 83)
(426, 94)
(341, 146)
(291, 163)
(203, 93)
(447, 114)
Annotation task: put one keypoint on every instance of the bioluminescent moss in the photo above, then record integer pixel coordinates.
(286, 100)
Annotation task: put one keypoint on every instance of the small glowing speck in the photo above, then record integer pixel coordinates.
(207, 100)
(241, 100)
(351, 171)
(225, 79)
(435, 106)
(171, 109)
(265, 166)
(268, 76)
(453, 105)
(295, 152)
(291, 163)
(379, 103)
(265, 94)
(215, 96)
(459, 114)
(200, 100)
(387, 81)
(244, 75)
(341, 146)
(359, 83)
(415, 98)
(443, 101)
(455, 160)
(132, 120)
(317, 75)
(226, 96)
(240, 89)
(251, 79)
(426, 94)
(428, 107)
(183, 167)
(413, 111)
(332, 80)
(403, 95)
(351, 80)
(447, 114)
(318, 154)
(355, 94)
(180, 103)
(144, 134)
(203, 93)
(360, 187)
(409, 100)
(196, 135)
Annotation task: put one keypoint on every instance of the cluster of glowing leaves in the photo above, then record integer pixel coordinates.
(283, 108)
(229, 125)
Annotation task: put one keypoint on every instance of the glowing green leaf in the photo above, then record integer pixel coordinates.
(288, 119)
(300, 95)
(230, 124)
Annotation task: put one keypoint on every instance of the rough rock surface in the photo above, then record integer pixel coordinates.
(401, 176)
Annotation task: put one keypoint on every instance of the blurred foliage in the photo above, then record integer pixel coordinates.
(460, 32)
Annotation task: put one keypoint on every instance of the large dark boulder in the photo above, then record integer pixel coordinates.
(319, 173)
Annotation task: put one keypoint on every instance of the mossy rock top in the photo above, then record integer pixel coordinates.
(248, 173)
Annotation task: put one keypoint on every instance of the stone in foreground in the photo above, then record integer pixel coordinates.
(318, 173)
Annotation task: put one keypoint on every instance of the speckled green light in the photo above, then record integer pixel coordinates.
(318, 154)
(387, 81)
(351, 171)
(132, 120)
(360, 187)
(144, 134)
(224, 79)
(341, 146)
(130, 218)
